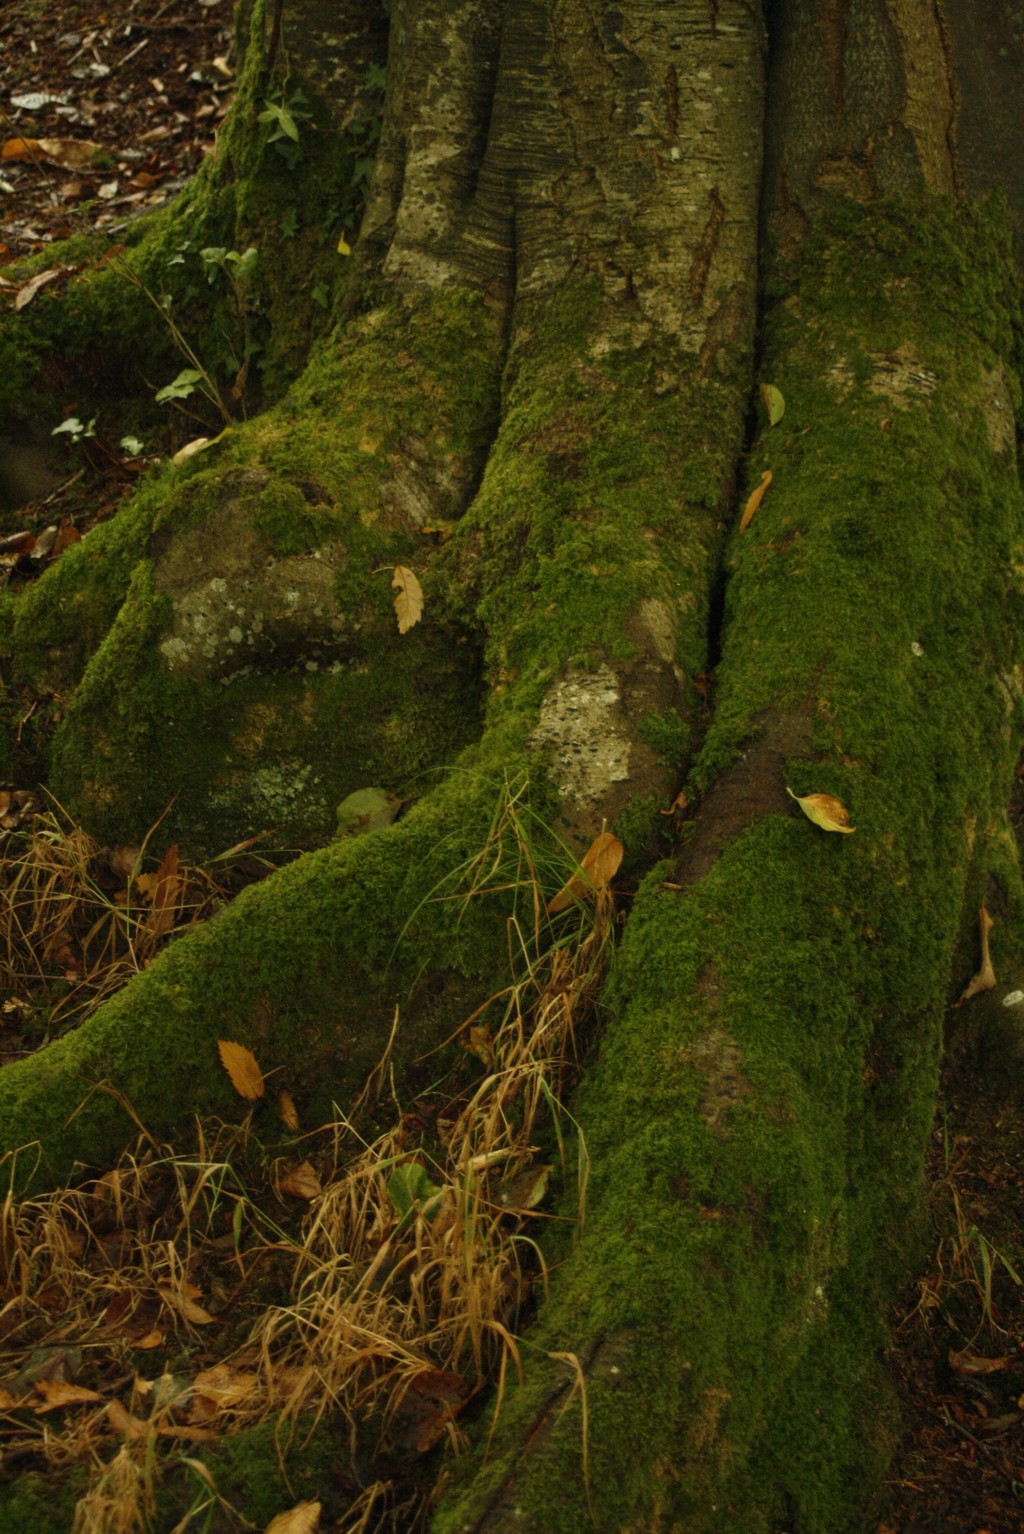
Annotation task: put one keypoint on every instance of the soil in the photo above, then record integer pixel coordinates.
(146, 82)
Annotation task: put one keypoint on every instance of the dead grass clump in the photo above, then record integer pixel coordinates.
(395, 1302)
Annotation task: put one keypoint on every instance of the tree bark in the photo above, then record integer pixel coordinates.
(548, 338)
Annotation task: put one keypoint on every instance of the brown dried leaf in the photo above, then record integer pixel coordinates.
(28, 290)
(225, 1386)
(301, 1182)
(985, 979)
(124, 1423)
(56, 1393)
(599, 866)
(70, 153)
(287, 1111)
(184, 1306)
(971, 1363)
(240, 1064)
(754, 500)
(409, 599)
(9, 1402)
(303, 1518)
(15, 149)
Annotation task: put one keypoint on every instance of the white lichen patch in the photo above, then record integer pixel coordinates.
(582, 728)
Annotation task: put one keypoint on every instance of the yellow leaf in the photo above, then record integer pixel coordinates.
(344, 248)
(773, 402)
(409, 601)
(599, 866)
(240, 1064)
(825, 811)
(287, 1112)
(301, 1182)
(225, 1386)
(197, 445)
(303, 1518)
(754, 500)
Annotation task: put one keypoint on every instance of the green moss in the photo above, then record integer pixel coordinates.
(757, 1117)
(667, 734)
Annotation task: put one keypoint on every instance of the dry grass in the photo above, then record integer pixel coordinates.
(395, 1301)
(77, 920)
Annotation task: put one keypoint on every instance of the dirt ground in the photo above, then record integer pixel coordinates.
(146, 82)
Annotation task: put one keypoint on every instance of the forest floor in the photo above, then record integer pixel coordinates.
(143, 84)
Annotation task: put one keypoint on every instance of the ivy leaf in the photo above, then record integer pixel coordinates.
(410, 1188)
(825, 811)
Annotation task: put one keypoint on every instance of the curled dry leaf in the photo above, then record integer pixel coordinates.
(825, 811)
(303, 1518)
(985, 979)
(409, 598)
(240, 1064)
(754, 500)
(599, 866)
(287, 1112)
(301, 1182)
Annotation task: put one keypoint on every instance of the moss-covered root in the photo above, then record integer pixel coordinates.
(757, 1118)
(305, 969)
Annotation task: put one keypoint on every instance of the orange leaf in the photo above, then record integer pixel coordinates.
(599, 866)
(20, 149)
(287, 1111)
(409, 601)
(240, 1064)
(754, 500)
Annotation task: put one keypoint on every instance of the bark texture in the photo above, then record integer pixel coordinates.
(547, 343)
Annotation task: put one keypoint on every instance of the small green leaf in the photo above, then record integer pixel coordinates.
(181, 388)
(773, 402)
(409, 1189)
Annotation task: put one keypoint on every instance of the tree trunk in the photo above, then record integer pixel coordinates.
(546, 336)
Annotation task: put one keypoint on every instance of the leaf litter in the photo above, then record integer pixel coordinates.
(403, 1264)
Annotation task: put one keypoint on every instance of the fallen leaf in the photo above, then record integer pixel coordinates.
(151, 1339)
(240, 1064)
(754, 500)
(225, 1386)
(124, 1423)
(971, 1363)
(70, 153)
(679, 803)
(15, 149)
(27, 292)
(527, 1190)
(773, 402)
(9, 1402)
(825, 811)
(287, 1112)
(409, 601)
(344, 248)
(190, 450)
(56, 1393)
(599, 866)
(303, 1518)
(301, 1182)
(184, 1306)
(985, 979)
